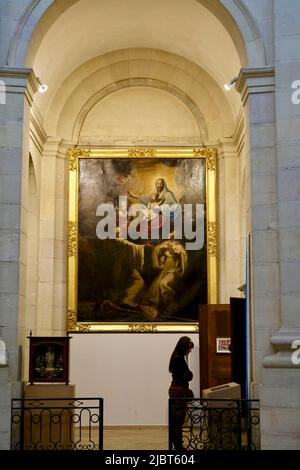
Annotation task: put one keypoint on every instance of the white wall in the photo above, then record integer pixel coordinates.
(130, 372)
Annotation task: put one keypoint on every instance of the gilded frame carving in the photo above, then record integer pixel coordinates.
(74, 154)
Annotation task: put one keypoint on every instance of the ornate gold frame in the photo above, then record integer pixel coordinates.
(211, 216)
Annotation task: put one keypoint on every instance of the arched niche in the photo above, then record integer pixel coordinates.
(139, 67)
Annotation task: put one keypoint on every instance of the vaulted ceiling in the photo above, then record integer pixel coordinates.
(97, 28)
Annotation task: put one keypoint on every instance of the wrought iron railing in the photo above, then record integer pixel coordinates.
(214, 424)
(57, 424)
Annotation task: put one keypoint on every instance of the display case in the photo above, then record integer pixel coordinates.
(49, 359)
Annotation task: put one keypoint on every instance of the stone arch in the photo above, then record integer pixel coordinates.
(35, 22)
(240, 24)
(40, 15)
(94, 79)
(135, 82)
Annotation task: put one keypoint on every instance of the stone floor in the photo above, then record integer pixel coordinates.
(135, 438)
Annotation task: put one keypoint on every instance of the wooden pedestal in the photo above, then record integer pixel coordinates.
(48, 423)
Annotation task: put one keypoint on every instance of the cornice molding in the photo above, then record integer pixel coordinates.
(20, 81)
(57, 148)
(23, 72)
(255, 80)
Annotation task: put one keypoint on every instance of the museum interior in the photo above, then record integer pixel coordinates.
(107, 98)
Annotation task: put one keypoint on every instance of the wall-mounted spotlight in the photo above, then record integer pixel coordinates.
(230, 84)
(42, 88)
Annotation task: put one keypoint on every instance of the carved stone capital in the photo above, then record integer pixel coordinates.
(255, 80)
(19, 81)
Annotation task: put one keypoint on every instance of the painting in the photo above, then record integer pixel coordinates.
(49, 359)
(223, 345)
(142, 238)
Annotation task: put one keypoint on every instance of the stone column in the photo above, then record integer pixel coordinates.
(281, 390)
(257, 87)
(20, 85)
(53, 234)
(229, 232)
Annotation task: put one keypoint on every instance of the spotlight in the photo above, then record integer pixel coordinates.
(42, 88)
(230, 84)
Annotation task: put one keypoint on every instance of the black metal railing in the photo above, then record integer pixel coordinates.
(214, 424)
(57, 424)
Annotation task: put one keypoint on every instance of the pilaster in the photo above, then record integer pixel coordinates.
(257, 88)
(229, 221)
(52, 285)
(19, 86)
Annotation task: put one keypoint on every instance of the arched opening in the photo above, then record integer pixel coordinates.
(107, 65)
(235, 17)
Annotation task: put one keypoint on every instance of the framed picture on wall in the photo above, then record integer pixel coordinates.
(49, 359)
(142, 238)
(223, 345)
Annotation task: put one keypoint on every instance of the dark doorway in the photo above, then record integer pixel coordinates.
(238, 343)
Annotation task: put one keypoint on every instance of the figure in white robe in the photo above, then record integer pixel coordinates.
(171, 258)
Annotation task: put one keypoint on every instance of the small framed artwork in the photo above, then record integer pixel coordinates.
(49, 359)
(224, 345)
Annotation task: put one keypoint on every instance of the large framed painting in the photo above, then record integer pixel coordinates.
(142, 244)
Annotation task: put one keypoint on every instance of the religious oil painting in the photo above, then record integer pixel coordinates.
(139, 257)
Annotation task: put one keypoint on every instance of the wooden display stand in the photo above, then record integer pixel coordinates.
(215, 366)
(45, 428)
